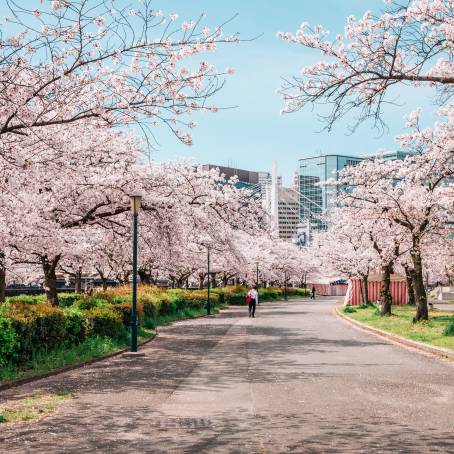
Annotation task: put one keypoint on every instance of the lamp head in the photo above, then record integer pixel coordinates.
(136, 203)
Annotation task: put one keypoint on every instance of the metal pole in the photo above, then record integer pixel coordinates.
(257, 275)
(134, 287)
(285, 285)
(209, 285)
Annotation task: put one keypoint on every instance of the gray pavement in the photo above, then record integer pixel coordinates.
(294, 379)
(444, 307)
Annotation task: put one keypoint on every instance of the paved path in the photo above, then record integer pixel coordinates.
(294, 379)
(444, 306)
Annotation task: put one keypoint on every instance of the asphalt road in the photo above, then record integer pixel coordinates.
(294, 379)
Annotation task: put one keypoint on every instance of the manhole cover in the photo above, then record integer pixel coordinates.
(182, 423)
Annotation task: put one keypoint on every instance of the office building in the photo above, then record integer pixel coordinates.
(315, 197)
(283, 205)
(255, 181)
(288, 213)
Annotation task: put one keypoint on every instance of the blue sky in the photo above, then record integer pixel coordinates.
(254, 134)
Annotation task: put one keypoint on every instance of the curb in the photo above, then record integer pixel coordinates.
(420, 347)
(52, 373)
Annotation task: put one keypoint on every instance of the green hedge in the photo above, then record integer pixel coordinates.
(28, 325)
(68, 299)
(26, 299)
(29, 329)
(37, 328)
(8, 338)
(265, 294)
(105, 322)
(123, 310)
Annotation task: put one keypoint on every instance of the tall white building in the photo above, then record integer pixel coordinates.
(283, 205)
(288, 213)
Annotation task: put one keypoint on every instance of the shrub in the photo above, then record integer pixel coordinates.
(76, 327)
(8, 339)
(150, 306)
(26, 299)
(349, 309)
(88, 303)
(166, 307)
(120, 299)
(449, 330)
(176, 301)
(105, 322)
(366, 306)
(235, 299)
(124, 312)
(38, 327)
(269, 293)
(68, 299)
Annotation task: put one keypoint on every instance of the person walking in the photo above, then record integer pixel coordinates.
(252, 298)
(88, 289)
(313, 293)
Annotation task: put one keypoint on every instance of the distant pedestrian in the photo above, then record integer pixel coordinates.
(313, 293)
(89, 289)
(252, 299)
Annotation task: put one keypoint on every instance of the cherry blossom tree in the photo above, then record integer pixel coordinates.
(346, 249)
(409, 43)
(411, 194)
(113, 62)
(48, 192)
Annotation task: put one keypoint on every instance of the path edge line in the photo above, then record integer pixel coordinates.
(420, 347)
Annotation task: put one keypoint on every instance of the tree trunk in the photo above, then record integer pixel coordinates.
(103, 280)
(410, 288)
(201, 281)
(145, 277)
(225, 280)
(366, 289)
(422, 311)
(50, 278)
(386, 291)
(213, 280)
(78, 280)
(2, 278)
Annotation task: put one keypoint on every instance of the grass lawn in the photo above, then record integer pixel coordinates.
(400, 323)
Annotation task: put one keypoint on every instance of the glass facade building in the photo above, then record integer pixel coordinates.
(316, 197)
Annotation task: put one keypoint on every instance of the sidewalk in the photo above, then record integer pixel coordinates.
(449, 307)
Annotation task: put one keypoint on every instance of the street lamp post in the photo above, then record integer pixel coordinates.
(285, 285)
(136, 203)
(209, 283)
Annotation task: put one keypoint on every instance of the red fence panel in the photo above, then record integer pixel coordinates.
(398, 292)
(328, 289)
